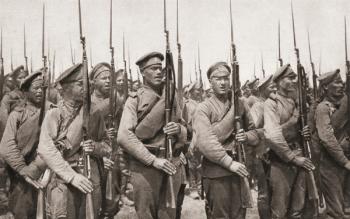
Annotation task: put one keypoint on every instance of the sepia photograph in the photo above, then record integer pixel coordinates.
(174, 109)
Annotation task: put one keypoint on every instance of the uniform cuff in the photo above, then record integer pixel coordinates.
(226, 161)
(149, 159)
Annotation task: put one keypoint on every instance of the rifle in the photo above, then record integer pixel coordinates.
(314, 76)
(2, 74)
(31, 62)
(179, 60)
(112, 107)
(169, 101)
(91, 65)
(130, 73)
(199, 69)
(49, 70)
(312, 189)
(25, 50)
(40, 212)
(71, 52)
(262, 65)
(279, 45)
(246, 195)
(53, 67)
(254, 70)
(11, 61)
(347, 64)
(126, 82)
(195, 69)
(89, 211)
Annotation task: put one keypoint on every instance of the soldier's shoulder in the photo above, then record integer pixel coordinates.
(324, 106)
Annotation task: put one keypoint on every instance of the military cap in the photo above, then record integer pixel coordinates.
(150, 59)
(119, 72)
(218, 67)
(71, 74)
(98, 69)
(264, 82)
(328, 77)
(27, 81)
(245, 85)
(17, 71)
(252, 83)
(282, 72)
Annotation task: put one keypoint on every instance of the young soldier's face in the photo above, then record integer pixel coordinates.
(335, 89)
(35, 92)
(270, 89)
(102, 83)
(76, 90)
(153, 75)
(288, 83)
(220, 83)
(120, 82)
(21, 76)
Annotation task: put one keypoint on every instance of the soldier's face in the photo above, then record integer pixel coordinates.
(21, 76)
(288, 83)
(220, 83)
(336, 87)
(102, 83)
(120, 82)
(270, 89)
(35, 92)
(74, 90)
(153, 75)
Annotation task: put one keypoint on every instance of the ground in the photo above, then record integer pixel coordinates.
(192, 209)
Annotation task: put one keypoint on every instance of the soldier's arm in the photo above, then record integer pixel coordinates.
(47, 149)
(273, 132)
(326, 134)
(206, 140)
(8, 146)
(250, 130)
(126, 134)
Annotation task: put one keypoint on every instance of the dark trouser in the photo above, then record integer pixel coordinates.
(223, 195)
(65, 201)
(332, 184)
(347, 193)
(3, 188)
(22, 199)
(263, 191)
(288, 194)
(150, 191)
(180, 200)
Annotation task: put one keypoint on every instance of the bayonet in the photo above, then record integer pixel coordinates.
(25, 50)
(199, 68)
(262, 65)
(126, 81)
(71, 52)
(91, 65)
(11, 61)
(279, 45)
(195, 68)
(53, 67)
(179, 59)
(2, 72)
(130, 73)
(314, 76)
(31, 62)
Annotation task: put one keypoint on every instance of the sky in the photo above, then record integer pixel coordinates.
(202, 23)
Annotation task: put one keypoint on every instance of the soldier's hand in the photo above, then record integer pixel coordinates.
(306, 132)
(241, 136)
(88, 146)
(172, 128)
(239, 168)
(303, 162)
(165, 165)
(34, 183)
(347, 166)
(108, 163)
(111, 133)
(82, 183)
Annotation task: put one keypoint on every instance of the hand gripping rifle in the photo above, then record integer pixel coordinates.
(112, 107)
(314, 76)
(40, 212)
(89, 211)
(169, 101)
(2, 74)
(347, 63)
(246, 195)
(179, 60)
(312, 189)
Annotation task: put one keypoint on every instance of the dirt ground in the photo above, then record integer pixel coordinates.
(192, 209)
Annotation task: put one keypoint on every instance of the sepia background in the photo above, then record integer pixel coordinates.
(203, 23)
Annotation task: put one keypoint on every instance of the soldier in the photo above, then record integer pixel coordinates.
(213, 126)
(62, 145)
(283, 136)
(18, 148)
(142, 135)
(245, 90)
(253, 88)
(195, 91)
(267, 89)
(333, 137)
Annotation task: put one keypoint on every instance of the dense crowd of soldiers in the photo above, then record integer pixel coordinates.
(91, 142)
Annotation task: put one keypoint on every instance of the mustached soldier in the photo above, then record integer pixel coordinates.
(142, 134)
(18, 148)
(61, 145)
(330, 118)
(213, 126)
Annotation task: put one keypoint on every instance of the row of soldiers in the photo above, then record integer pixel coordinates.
(203, 136)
